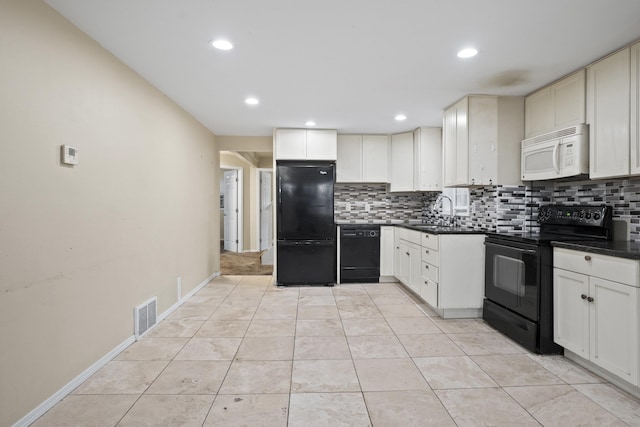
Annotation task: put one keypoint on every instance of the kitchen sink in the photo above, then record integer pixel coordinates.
(429, 226)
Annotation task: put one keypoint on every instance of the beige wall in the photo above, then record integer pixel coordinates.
(263, 144)
(81, 246)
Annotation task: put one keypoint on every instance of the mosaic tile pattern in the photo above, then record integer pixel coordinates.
(492, 208)
(383, 206)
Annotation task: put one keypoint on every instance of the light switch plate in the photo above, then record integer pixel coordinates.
(69, 155)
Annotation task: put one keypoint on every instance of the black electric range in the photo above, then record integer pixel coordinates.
(519, 272)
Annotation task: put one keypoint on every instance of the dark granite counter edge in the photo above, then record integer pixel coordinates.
(416, 227)
(620, 249)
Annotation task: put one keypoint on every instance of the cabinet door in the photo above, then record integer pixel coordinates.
(404, 263)
(608, 87)
(482, 124)
(415, 268)
(449, 147)
(387, 251)
(571, 311)
(402, 162)
(568, 101)
(375, 158)
(614, 328)
(322, 145)
(429, 292)
(635, 109)
(427, 147)
(462, 142)
(537, 119)
(291, 144)
(349, 162)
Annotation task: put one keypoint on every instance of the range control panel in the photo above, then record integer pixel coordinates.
(596, 216)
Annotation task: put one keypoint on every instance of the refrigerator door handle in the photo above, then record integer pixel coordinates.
(279, 212)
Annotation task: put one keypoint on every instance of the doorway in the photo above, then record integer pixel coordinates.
(231, 209)
(266, 208)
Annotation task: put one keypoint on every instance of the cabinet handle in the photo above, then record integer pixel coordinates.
(397, 247)
(587, 258)
(407, 253)
(583, 296)
(427, 251)
(590, 299)
(426, 283)
(426, 266)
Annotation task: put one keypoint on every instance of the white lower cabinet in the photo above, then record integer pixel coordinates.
(596, 318)
(386, 251)
(407, 258)
(429, 265)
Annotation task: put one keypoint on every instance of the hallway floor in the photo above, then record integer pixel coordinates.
(243, 352)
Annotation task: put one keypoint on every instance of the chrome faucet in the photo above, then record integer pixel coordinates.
(440, 200)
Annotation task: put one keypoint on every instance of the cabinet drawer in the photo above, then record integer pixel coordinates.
(429, 292)
(431, 256)
(408, 235)
(616, 269)
(430, 272)
(430, 241)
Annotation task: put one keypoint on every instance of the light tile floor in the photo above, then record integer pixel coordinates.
(243, 352)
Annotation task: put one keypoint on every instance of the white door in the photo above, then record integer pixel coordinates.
(266, 211)
(231, 210)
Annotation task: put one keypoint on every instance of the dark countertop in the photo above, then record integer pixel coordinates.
(616, 248)
(435, 229)
(415, 225)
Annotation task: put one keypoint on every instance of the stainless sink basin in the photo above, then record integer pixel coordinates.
(429, 226)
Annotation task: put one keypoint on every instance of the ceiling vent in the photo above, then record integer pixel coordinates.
(144, 316)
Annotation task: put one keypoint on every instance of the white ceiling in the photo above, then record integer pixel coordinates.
(350, 65)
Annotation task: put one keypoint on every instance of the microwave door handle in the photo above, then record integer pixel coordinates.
(556, 150)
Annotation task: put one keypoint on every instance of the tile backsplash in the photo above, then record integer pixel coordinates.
(493, 207)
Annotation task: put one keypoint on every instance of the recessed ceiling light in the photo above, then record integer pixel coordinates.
(310, 123)
(467, 53)
(400, 117)
(252, 101)
(222, 44)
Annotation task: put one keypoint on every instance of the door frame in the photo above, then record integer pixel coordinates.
(240, 194)
(259, 205)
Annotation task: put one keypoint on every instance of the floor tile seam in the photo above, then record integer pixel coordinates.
(144, 392)
(562, 382)
(600, 405)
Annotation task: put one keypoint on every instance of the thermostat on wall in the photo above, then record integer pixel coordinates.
(69, 155)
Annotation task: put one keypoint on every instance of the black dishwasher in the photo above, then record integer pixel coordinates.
(359, 253)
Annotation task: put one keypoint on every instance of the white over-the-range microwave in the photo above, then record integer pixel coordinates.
(558, 154)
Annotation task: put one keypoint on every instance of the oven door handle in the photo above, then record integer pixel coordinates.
(523, 251)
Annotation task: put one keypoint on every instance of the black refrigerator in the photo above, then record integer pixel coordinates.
(306, 231)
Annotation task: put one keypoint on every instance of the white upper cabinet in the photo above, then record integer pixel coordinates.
(608, 115)
(402, 162)
(305, 144)
(375, 158)
(455, 144)
(349, 162)
(322, 145)
(635, 109)
(291, 144)
(362, 158)
(482, 138)
(556, 106)
(427, 148)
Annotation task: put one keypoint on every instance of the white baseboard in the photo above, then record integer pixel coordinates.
(64, 391)
(173, 308)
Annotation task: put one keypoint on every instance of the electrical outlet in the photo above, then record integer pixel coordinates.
(367, 207)
(347, 206)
